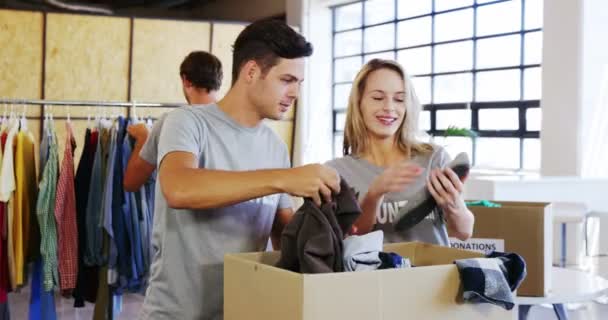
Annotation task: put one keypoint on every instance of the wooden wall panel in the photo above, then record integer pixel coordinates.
(87, 57)
(285, 130)
(159, 47)
(20, 54)
(224, 35)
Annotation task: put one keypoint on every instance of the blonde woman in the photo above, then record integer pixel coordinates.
(388, 167)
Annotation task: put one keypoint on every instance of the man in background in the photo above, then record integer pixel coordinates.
(201, 74)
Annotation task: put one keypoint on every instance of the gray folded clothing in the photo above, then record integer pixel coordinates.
(417, 209)
(361, 252)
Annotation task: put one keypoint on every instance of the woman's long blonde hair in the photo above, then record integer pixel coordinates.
(356, 139)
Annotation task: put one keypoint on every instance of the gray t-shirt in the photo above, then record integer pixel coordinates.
(186, 277)
(360, 174)
(149, 151)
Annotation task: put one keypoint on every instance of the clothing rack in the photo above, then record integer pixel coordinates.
(82, 103)
(76, 103)
(18, 110)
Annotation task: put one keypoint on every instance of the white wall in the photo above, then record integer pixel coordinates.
(313, 140)
(561, 87)
(594, 137)
(575, 53)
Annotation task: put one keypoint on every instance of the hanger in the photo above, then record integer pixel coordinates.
(23, 122)
(4, 114)
(89, 117)
(134, 117)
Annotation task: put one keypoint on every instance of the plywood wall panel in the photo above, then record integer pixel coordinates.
(87, 57)
(284, 129)
(21, 41)
(224, 35)
(159, 47)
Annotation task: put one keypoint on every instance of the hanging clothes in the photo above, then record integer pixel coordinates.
(42, 303)
(107, 214)
(94, 224)
(146, 230)
(4, 273)
(46, 219)
(88, 276)
(132, 220)
(121, 239)
(14, 226)
(26, 192)
(103, 291)
(94, 243)
(65, 215)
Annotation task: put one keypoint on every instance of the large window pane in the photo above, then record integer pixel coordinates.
(377, 11)
(455, 145)
(415, 61)
(422, 86)
(414, 32)
(441, 5)
(458, 118)
(498, 52)
(346, 69)
(499, 18)
(533, 119)
(532, 154)
(388, 55)
(454, 25)
(534, 14)
(498, 85)
(453, 88)
(348, 16)
(533, 47)
(424, 137)
(341, 92)
(499, 119)
(532, 84)
(456, 56)
(424, 120)
(380, 38)
(497, 153)
(412, 8)
(348, 43)
(338, 140)
(340, 121)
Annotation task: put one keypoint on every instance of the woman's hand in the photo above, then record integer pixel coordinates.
(395, 178)
(446, 188)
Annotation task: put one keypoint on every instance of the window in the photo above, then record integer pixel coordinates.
(474, 64)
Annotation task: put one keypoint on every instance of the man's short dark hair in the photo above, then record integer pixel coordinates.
(265, 41)
(203, 69)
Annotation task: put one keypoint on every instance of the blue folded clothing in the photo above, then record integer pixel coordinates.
(391, 260)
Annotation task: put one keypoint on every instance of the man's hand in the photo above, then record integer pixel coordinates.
(139, 132)
(312, 181)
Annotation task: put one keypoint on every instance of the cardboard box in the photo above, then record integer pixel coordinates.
(256, 290)
(525, 228)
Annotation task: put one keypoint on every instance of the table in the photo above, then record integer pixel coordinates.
(564, 213)
(568, 286)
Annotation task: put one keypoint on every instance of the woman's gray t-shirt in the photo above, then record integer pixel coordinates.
(360, 174)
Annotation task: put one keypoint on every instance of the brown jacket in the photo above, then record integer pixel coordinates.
(312, 241)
